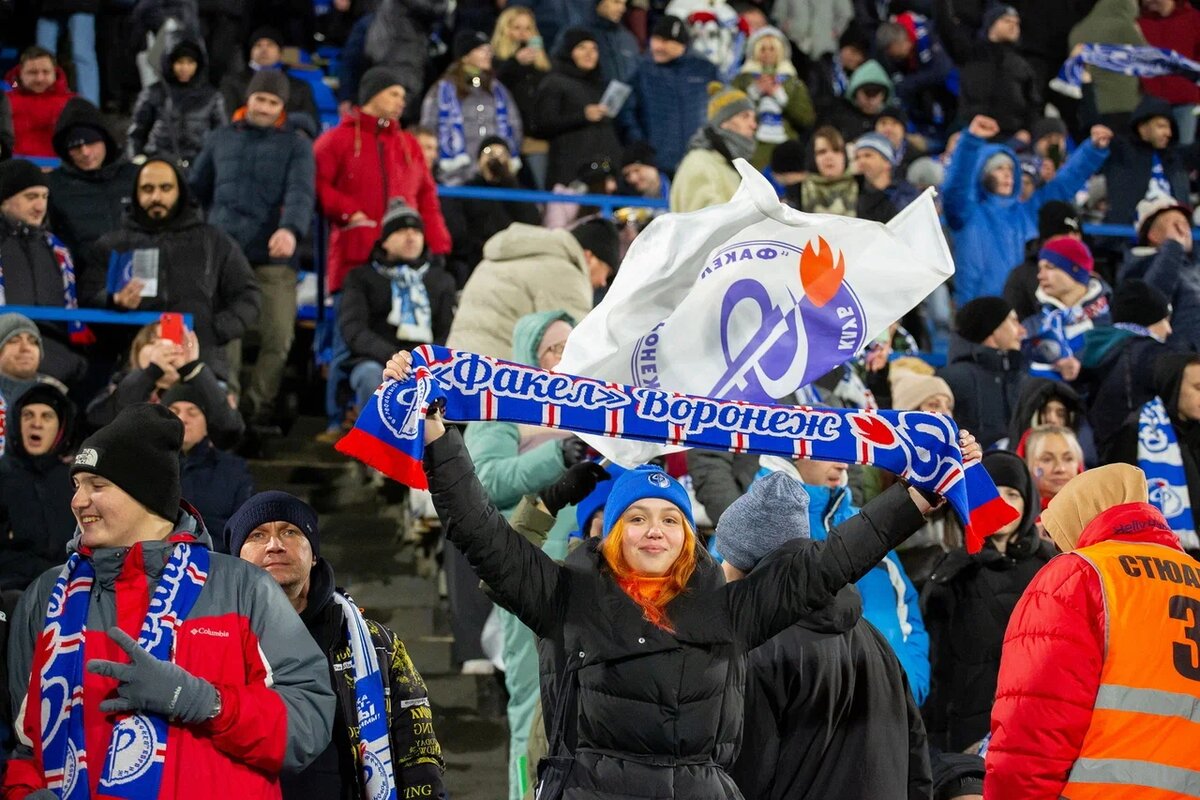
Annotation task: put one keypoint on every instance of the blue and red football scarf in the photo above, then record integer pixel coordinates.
(133, 766)
(922, 448)
(79, 333)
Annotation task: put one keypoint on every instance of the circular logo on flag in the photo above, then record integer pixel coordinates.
(659, 479)
(132, 749)
(1163, 495)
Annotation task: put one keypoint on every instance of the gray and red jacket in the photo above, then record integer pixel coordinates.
(242, 635)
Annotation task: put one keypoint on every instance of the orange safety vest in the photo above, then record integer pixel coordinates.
(1144, 738)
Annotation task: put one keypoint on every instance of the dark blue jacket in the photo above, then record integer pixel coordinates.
(619, 53)
(669, 103)
(216, 483)
(1175, 273)
(254, 181)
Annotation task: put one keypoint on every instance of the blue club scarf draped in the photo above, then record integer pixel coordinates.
(133, 766)
(923, 448)
(1134, 60)
(370, 695)
(1161, 459)
(79, 333)
(452, 139)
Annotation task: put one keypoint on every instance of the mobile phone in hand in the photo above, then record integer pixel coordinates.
(170, 327)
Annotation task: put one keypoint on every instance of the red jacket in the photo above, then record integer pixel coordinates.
(1179, 32)
(1050, 669)
(34, 115)
(361, 164)
(277, 704)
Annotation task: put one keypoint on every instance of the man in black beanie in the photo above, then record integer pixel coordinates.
(267, 211)
(265, 55)
(985, 368)
(1055, 218)
(278, 532)
(222, 680)
(38, 269)
(1118, 361)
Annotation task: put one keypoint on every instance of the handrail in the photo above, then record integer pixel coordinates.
(607, 202)
(93, 315)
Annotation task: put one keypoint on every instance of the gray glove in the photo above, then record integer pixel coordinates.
(42, 794)
(150, 685)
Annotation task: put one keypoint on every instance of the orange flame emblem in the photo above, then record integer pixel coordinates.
(818, 275)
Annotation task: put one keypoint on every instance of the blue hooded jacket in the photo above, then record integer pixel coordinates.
(990, 231)
(890, 600)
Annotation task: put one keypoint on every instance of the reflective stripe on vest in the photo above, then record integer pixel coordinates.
(1146, 719)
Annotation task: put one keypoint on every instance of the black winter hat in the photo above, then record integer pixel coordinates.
(466, 41)
(489, 141)
(17, 175)
(600, 237)
(400, 215)
(264, 32)
(572, 39)
(269, 81)
(1057, 218)
(183, 392)
(978, 319)
(641, 152)
(673, 29)
(374, 81)
(267, 507)
(994, 15)
(893, 111)
(1138, 303)
(189, 49)
(139, 452)
(789, 156)
(49, 395)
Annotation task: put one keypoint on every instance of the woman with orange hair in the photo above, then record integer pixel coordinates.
(643, 643)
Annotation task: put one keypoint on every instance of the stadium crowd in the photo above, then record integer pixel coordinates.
(198, 158)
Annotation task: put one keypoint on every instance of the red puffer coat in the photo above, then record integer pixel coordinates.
(35, 115)
(362, 164)
(1053, 656)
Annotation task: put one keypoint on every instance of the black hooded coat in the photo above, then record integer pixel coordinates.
(86, 205)
(966, 605)
(36, 522)
(172, 119)
(829, 714)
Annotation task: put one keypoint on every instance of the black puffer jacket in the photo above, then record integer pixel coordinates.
(966, 605)
(174, 119)
(659, 715)
(36, 522)
(216, 483)
(522, 82)
(998, 81)
(32, 278)
(808, 735)
(559, 118)
(201, 271)
(86, 205)
(987, 384)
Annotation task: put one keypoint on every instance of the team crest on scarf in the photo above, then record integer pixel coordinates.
(1160, 457)
(134, 764)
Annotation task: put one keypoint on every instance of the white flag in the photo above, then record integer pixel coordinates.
(752, 300)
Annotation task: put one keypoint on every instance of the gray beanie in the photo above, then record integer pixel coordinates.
(773, 512)
(269, 81)
(12, 324)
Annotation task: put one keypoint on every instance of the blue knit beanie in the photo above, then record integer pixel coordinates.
(267, 507)
(639, 484)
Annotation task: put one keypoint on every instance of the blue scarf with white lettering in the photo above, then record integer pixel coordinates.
(452, 139)
(923, 448)
(1134, 60)
(133, 766)
(370, 702)
(1161, 459)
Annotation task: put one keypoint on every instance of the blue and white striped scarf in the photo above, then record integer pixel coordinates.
(370, 700)
(411, 311)
(1134, 60)
(78, 332)
(452, 140)
(134, 764)
(1161, 459)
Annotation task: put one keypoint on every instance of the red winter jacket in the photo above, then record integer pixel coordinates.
(1050, 669)
(35, 115)
(1179, 32)
(277, 704)
(361, 164)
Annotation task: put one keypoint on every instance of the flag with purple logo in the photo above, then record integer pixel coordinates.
(753, 300)
(923, 448)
